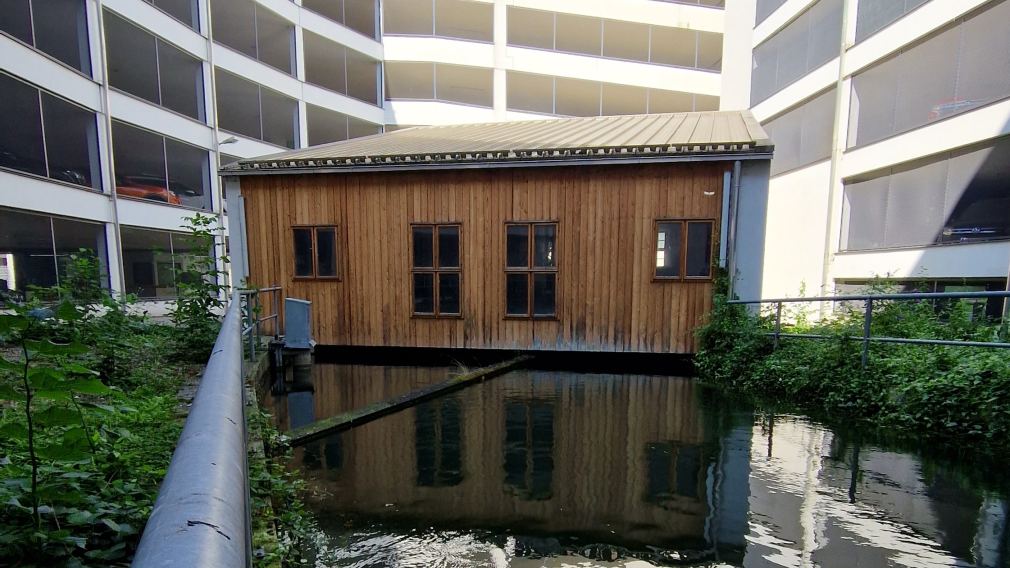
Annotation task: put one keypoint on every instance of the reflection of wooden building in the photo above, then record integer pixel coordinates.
(586, 234)
(513, 452)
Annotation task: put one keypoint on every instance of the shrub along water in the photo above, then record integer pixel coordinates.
(953, 394)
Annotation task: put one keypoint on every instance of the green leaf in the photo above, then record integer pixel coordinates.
(6, 365)
(46, 378)
(7, 392)
(80, 517)
(111, 524)
(47, 347)
(10, 322)
(14, 430)
(58, 416)
(89, 386)
(67, 312)
(53, 394)
(78, 369)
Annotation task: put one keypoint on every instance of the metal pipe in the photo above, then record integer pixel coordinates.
(200, 516)
(867, 320)
(778, 323)
(734, 205)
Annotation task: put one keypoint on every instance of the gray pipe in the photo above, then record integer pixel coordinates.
(200, 516)
(734, 205)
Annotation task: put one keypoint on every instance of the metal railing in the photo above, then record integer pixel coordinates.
(202, 514)
(252, 308)
(869, 299)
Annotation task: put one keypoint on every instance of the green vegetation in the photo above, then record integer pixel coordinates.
(958, 395)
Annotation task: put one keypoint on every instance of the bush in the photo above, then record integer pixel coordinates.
(195, 315)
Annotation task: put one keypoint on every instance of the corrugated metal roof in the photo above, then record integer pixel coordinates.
(660, 137)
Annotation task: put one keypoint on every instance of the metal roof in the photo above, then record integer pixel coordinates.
(554, 141)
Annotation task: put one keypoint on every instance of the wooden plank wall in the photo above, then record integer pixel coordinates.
(607, 299)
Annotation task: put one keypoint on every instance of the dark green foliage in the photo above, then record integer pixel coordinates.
(959, 395)
(202, 288)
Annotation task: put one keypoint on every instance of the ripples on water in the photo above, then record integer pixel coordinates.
(565, 469)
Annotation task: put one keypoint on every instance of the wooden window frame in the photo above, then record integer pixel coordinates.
(531, 270)
(682, 253)
(436, 271)
(315, 254)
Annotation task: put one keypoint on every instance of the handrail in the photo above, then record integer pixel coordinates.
(201, 516)
(893, 296)
(251, 305)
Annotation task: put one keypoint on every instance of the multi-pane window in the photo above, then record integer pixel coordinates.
(154, 262)
(439, 81)
(875, 15)
(249, 109)
(256, 31)
(56, 27)
(802, 135)
(316, 252)
(151, 166)
(186, 11)
(47, 136)
(338, 68)
(684, 249)
(442, 18)
(531, 270)
(359, 15)
(435, 270)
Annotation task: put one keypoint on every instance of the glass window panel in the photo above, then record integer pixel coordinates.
(978, 196)
(325, 125)
(705, 102)
(61, 30)
(465, 20)
(181, 81)
(183, 10)
(71, 142)
(668, 250)
(448, 247)
(424, 293)
(359, 15)
(527, 92)
(699, 250)
(765, 8)
(357, 127)
(626, 40)
(280, 118)
(709, 51)
(825, 33)
(303, 251)
(517, 246)
(240, 111)
(410, 80)
(147, 263)
(530, 28)
(544, 249)
(140, 164)
(275, 40)
(863, 214)
(188, 173)
(16, 20)
(874, 15)
(802, 135)
(517, 294)
(80, 239)
(235, 24)
(874, 96)
(407, 17)
(469, 85)
(362, 77)
(915, 205)
(670, 101)
(984, 63)
(21, 146)
(575, 97)
(544, 294)
(325, 62)
(184, 249)
(926, 79)
(448, 293)
(578, 34)
(332, 9)
(623, 99)
(132, 58)
(424, 247)
(326, 252)
(673, 46)
(26, 244)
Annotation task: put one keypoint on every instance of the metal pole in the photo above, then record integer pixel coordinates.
(778, 323)
(867, 319)
(277, 314)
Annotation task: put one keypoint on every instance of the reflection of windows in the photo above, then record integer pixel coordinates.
(249, 109)
(151, 166)
(673, 471)
(316, 252)
(47, 136)
(437, 426)
(435, 262)
(684, 249)
(529, 448)
(531, 269)
(57, 28)
(154, 261)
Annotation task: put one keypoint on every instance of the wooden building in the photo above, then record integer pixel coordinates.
(581, 234)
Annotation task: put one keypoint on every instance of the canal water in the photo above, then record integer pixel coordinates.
(543, 468)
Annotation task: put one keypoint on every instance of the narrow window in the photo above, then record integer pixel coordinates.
(316, 252)
(684, 249)
(435, 267)
(531, 270)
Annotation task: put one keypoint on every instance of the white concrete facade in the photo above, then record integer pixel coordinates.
(809, 247)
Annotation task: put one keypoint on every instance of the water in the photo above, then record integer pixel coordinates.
(564, 469)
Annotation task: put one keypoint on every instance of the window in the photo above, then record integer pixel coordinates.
(766, 8)
(435, 274)
(153, 261)
(254, 30)
(148, 67)
(531, 270)
(316, 252)
(875, 15)
(684, 249)
(443, 18)
(56, 27)
(258, 112)
(48, 136)
(452, 83)
(359, 15)
(186, 11)
(802, 135)
(151, 166)
(346, 71)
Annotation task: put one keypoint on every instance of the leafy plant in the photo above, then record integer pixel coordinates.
(201, 291)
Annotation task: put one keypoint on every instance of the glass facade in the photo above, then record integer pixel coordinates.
(151, 166)
(251, 28)
(256, 111)
(56, 27)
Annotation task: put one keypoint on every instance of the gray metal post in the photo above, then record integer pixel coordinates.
(778, 323)
(277, 314)
(867, 319)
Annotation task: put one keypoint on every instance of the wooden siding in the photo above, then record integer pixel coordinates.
(607, 299)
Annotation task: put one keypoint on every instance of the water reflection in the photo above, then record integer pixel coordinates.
(557, 469)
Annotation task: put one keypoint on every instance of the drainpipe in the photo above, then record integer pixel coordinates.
(210, 110)
(734, 206)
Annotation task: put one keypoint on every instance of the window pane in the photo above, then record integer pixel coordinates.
(528, 92)
(356, 128)
(362, 77)
(544, 237)
(978, 197)
(140, 164)
(575, 97)
(517, 294)
(274, 37)
(765, 9)
(626, 40)
(673, 46)
(61, 30)
(984, 63)
(544, 294)
(469, 85)
(332, 9)
(531, 28)
(181, 81)
(188, 173)
(863, 214)
(26, 245)
(803, 135)
(21, 135)
(326, 252)
(623, 99)
(325, 125)
(235, 24)
(324, 62)
(280, 118)
(71, 142)
(448, 247)
(448, 293)
(147, 263)
(410, 80)
(699, 249)
(466, 20)
(184, 10)
(517, 246)
(407, 17)
(424, 293)
(873, 15)
(668, 249)
(303, 252)
(132, 58)
(359, 15)
(671, 101)
(70, 238)
(578, 34)
(424, 248)
(238, 104)
(16, 19)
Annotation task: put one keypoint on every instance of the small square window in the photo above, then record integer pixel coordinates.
(684, 249)
(316, 252)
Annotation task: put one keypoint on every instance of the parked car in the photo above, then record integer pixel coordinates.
(145, 187)
(978, 220)
(949, 107)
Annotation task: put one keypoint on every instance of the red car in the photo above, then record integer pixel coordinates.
(146, 188)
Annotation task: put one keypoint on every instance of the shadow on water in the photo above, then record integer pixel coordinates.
(554, 468)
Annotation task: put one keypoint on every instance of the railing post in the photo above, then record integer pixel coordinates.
(277, 314)
(251, 315)
(778, 323)
(867, 319)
